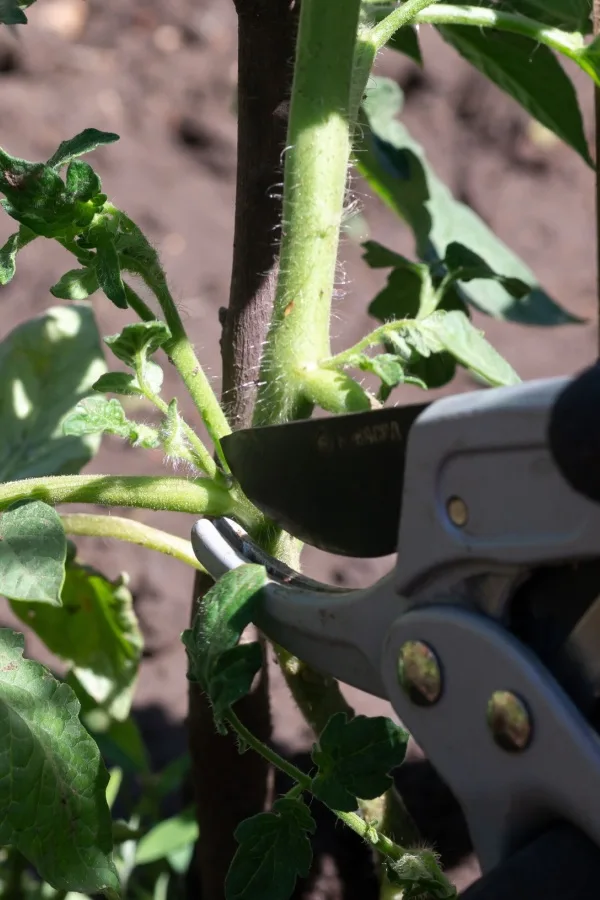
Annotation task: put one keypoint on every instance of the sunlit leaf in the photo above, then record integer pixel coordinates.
(53, 782)
(47, 365)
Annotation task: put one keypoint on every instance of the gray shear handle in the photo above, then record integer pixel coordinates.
(562, 864)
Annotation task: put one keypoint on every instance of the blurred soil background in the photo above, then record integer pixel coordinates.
(163, 76)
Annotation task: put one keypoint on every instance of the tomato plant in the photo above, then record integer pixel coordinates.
(59, 396)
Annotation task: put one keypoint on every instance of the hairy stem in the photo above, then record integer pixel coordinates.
(199, 496)
(314, 187)
(122, 529)
(143, 260)
(567, 43)
(199, 455)
(403, 15)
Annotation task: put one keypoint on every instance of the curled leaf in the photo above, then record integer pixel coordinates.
(77, 284)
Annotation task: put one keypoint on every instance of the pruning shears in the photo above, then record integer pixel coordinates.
(485, 636)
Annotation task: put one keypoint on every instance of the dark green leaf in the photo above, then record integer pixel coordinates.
(569, 15)
(225, 612)
(119, 383)
(46, 366)
(77, 284)
(395, 167)
(33, 549)
(96, 632)
(465, 265)
(108, 270)
(37, 198)
(8, 253)
(354, 758)
(82, 181)
(166, 837)
(274, 851)
(408, 292)
(98, 415)
(82, 143)
(530, 73)
(419, 875)
(52, 780)
(435, 370)
(233, 675)
(11, 13)
(379, 257)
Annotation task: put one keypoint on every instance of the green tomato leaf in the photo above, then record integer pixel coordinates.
(108, 270)
(409, 292)
(47, 365)
(82, 182)
(168, 837)
(33, 550)
(225, 612)
(569, 15)
(419, 875)
(396, 168)
(11, 13)
(37, 198)
(77, 284)
(530, 73)
(53, 782)
(354, 758)
(135, 345)
(8, 253)
(434, 371)
(118, 383)
(274, 851)
(82, 143)
(139, 341)
(465, 265)
(98, 415)
(452, 332)
(96, 632)
(233, 675)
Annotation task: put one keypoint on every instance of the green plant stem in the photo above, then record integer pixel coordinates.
(318, 150)
(346, 357)
(199, 496)
(379, 841)
(144, 262)
(139, 306)
(199, 454)
(317, 696)
(122, 529)
(568, 43)
(403, 15)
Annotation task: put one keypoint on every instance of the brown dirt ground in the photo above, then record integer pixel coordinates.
(163, 76)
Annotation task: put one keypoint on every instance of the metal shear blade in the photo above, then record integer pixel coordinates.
(321, 625)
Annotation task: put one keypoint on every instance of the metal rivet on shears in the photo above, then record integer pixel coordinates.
(458, 511)
(419, 673)
(509, 721)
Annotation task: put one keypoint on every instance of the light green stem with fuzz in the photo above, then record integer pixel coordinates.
(144, 262)
(316, 165)
(403, 15)
(199, 496)
(121, 529)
